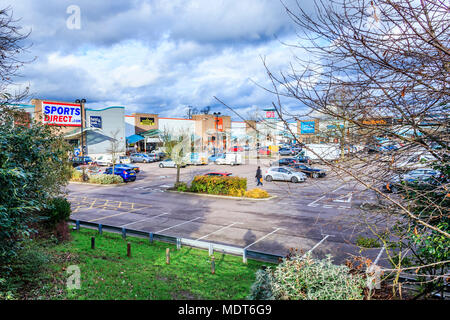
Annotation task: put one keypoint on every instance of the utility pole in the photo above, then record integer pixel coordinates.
(217, 114)
(82, 102)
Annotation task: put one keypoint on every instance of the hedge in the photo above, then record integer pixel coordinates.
(229, 186)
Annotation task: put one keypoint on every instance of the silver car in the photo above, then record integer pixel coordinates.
(284, 174)
(140, 157)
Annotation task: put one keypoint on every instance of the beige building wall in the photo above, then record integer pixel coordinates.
(142, 126)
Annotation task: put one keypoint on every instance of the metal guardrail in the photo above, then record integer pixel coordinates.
(211, 246)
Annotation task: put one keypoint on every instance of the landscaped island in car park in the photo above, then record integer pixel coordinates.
(222, 186)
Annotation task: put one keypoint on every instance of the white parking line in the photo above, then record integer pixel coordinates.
(223, 228)
(263, 237)
(312, 204)
(177, 225)
(337, 189)
(143, 220)
(317, 244)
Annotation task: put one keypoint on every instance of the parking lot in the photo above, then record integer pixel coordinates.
(319, 213)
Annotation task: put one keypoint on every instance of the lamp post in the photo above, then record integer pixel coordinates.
(82, 102)
(217, 114)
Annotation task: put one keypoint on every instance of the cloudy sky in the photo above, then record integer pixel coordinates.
(155, 55)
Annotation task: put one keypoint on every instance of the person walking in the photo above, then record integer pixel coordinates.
(259, 177)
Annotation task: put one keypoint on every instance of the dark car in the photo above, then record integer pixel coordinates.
(218, 174)
(128, 166)
(76, 161)
(126, 174)
(286, 162)
(302, 159)
(309, 171)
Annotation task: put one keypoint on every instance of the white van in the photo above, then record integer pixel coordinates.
(230, 158)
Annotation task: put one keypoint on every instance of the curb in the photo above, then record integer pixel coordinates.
(98, 184)
(222, 197)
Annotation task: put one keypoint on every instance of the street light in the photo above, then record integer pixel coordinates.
(82, 102)
(217, 114)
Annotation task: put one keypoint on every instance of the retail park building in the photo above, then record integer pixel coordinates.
(97, 129)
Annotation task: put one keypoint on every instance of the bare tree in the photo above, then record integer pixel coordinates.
(114, 148)
(177, 146)
(11, 47)
(381, 69)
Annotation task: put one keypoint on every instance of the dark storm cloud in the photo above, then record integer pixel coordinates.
(149, 55)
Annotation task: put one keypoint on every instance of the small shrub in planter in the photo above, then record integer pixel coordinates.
(257, 193)
(105, 179)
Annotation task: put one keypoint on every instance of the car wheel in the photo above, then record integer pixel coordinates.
(315, 175)
(232, 164)
(294, 180)
(269, 178)
(161, 165)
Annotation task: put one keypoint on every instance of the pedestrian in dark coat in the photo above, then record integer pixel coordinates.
(259, 177)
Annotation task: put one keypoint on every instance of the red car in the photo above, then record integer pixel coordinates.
(264, 150)
(236, 149)
(216, 174)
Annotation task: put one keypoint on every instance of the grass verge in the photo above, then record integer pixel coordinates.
(107, 272)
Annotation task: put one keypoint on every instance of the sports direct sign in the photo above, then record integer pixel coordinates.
(61, 114)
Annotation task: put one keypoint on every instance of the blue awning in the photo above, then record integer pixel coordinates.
(134, 138)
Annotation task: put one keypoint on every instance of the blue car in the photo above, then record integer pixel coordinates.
(126, 174)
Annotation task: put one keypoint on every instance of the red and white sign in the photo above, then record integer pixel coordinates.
(270, 114)
(61, 114)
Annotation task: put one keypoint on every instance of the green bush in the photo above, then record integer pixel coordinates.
(367, 242)
(105, 179)
(218, 185)
(76, 175)
(57, 210)
(308, 279)
(181, 186)
(257, 193)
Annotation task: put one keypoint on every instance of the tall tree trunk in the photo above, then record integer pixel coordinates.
(178, 174)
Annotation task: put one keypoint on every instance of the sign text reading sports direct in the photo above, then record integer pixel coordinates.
(62, 114)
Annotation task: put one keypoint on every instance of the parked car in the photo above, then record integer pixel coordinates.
(236, 149)
(140, 157)
(196, 158)
(302, 159)
(284, 174)
(286, 152)
(89, 169)
(128, 166)
(153, 157)
(85, 160)
(284, 162)
(216, 156)
(264, 151)
(218, 174)
(126, 174)
(104, 160)
(309, 171)
(230, 158)
(124, 159)
(423, 177)
(169, 163)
